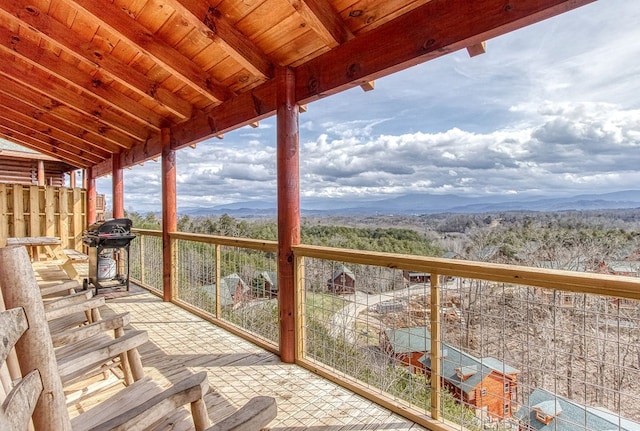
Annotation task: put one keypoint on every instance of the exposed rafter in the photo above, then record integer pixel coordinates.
(324, 20)
(210, 21)
(129, 30)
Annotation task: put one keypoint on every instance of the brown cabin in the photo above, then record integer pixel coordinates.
(487, 385)
(342, 281)
(19, 165)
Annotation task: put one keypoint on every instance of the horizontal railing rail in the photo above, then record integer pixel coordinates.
(578, 282)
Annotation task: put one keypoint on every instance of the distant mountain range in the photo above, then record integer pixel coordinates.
(431, 204)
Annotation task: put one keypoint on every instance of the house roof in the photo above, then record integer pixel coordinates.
(451, 255)
(623, 265)
(228, 287)
(454, 363)
(408, 340)
(85, 81)
(571, 415)
(454, 360)
(343, 270)
(270, 277)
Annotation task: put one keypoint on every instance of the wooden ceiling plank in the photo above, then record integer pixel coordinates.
(324, 20)
(137, 35)
(64, 114)
(428, 32)
(61, 36)
(46, 61)
(61, 95)
(216, 27)
(63, 126)
(57, 129)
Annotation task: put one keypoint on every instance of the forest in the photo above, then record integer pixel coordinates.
(525, 238)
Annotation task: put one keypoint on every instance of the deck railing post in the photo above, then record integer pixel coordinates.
(217, 258)
(169, 215)
(288, 179)
(435, 355)
(141, 258)
(299, 303)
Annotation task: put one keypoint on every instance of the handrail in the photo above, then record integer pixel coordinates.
(254, 244)
(579, 282)
(149, 232)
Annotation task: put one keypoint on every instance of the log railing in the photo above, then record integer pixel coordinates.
(449, 344)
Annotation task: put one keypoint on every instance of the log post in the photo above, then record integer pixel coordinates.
(41, 175)
(35, 349)
(117, 176)
(169, 213)
(91, 196)
(288, 180)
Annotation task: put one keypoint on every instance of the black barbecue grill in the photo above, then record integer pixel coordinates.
(108, 243)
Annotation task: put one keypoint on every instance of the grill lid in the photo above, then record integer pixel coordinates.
(110, 227)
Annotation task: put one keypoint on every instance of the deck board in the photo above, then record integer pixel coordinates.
(239, 370)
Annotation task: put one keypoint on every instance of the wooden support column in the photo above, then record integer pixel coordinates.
(90, 185)
(288, 207)
(169, 213)
(41, 176)
(72, 179)
(117, 186)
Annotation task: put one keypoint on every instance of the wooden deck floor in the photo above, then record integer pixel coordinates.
(238, 370)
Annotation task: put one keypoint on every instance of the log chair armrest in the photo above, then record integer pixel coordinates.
(87, 305)
(84, 332)
(76, 359)
(68, 287)
(154, 409)
(67, 300)
(254, 415)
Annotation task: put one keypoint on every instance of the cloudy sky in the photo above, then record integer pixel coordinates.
(552, 109)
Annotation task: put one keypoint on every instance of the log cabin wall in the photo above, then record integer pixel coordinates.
(30, 211)
(25, 171)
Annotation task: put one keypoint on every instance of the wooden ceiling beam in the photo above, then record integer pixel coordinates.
(61, 95)
(50, 150)
(432, 30)
(123, 26)
(21, 134)
(45, 108)
(242, 110)
(46, 61)
(322, 18)
(64, 126)
(62, 37)
(216, 27)
(41, 121)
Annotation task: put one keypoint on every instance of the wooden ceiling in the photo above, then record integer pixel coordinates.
(84, 80)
